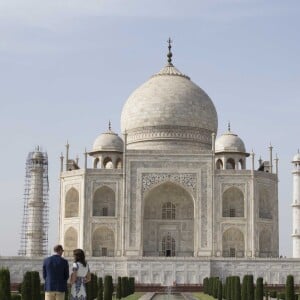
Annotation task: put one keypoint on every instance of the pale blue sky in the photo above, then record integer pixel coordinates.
(67, 67)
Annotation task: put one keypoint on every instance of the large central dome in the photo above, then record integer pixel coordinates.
(169, 111)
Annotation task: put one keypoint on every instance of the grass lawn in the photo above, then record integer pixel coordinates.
(202, 296)
(134, 296)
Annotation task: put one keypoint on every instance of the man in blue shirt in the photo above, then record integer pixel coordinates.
(56, 274)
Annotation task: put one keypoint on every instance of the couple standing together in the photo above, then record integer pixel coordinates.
(56, 274)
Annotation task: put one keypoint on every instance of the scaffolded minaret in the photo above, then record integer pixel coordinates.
(34, 235)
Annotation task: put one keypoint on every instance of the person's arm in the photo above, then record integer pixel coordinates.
(66, 271)
(74, 273)
(44, 271)
(88, 276)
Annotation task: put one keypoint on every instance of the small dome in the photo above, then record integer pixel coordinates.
(229, 142)
(108, 141)
(296, 157)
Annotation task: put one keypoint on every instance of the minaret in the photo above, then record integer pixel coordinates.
(296, 206)
(35, 219)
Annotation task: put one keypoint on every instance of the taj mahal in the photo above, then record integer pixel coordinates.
(171, 199)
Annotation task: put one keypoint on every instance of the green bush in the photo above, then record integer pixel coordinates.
(26, 286)
(131, 284)
(205, 285)
(220, 290)
(228, 288)
(237, 288)
(16, 297)
(250, 287)
(289, 288)
(4, 284)
(92, 287)
(108, 287)
(35, 285)
(119, 288)
(281, 296)
(100, 289)
(273, 294)
(244, 288)
(259, 290)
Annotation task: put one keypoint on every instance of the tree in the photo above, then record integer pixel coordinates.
(119, 288)
(4, 284)
(131, 283)
(259, 290)
(237, 288)
(205, 285)
(35, 285)
(108, 287)
(92, 287)
(250, 287)
(244, 288)
(220, 290)
(100, 289)
(289, 288)
(26, 286)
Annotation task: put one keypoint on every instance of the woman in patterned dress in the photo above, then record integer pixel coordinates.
(80, 276)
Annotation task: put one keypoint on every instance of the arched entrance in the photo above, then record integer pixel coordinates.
(168, 225)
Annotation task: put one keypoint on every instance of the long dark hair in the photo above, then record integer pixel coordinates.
(79, 256)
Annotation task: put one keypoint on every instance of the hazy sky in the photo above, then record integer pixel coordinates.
(67, 67)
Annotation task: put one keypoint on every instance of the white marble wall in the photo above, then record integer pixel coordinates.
(166, 271)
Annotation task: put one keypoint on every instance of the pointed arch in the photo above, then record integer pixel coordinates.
(265, 243)
(72, 203)
(265, 208)
(230, 164)
(168, 209)
(233, 203)
(233, 243)
(104, 202)
(96, 162)
(107, 163)
(103, 242)
(119, 163)
(219, 164)
(241, 164)
(70, 241)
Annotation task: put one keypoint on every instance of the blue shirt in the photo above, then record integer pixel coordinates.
(55, 273)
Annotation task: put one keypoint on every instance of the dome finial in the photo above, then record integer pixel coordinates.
(169, 55)
(109, 125)
(228, 126)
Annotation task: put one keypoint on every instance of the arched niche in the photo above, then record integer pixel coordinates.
(119, 163)
(233, 243)
(104, 202)
(107, 163)
(72, 203)
(168, 211)
(265, 243)
(219, 164)
(103, 242)
(70, 241)
(265, 208)
(230, 164)
(233, 203)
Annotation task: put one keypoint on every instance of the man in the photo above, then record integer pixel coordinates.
(56, 274)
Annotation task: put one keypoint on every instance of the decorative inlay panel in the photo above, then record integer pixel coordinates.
(188, 180)
(169, 132)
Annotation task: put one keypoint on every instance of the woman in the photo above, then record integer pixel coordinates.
(80, 276)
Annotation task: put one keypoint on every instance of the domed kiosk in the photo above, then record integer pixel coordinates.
(107, 150)
(169, 111)
(230, 151)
